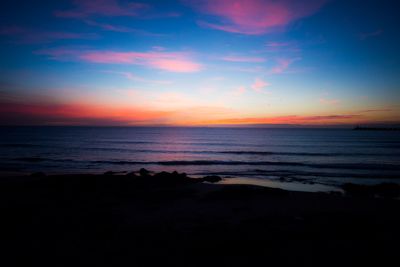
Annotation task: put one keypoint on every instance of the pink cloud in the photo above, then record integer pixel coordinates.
(283, 64)
(239, 91)
(175, 65)
(111, 8)
(333, 102)
(108, 27)
(243, 59)
(278, 44)
(111, 57)
(168, 61)
(259, 85)
(254, 17)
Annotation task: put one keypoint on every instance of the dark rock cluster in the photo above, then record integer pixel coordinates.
(385, 190)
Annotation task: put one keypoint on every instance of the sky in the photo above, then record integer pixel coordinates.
(199, 62)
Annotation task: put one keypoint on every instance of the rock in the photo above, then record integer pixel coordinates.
(174, 178)
(179, 175)
(163, 175)
(38, 174)
(386, 190)
(357, 190)
(131, 174)
(212, 179)
(143, 172)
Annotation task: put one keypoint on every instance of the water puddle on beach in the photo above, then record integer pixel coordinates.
(292, 186)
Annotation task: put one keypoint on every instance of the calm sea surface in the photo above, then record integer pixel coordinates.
(321, 156)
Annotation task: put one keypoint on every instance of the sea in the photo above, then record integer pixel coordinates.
(308, 159)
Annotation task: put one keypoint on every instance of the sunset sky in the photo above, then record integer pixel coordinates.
(205, 62)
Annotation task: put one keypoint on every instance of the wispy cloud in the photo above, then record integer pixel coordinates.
(175, 64)
(239, 91)
(121, 29)
(326, 101)
(283, 64)
(255, 69)
(254, 17)
(110, 8)
(367, 35)
(259, 85)
(168, 61)
(133, 77)
(282, 46)
(278, 44)
(292, 119)
(375, 110)
(243, 59)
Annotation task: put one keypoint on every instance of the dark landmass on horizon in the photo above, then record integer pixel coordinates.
(169, 219)
(363, 128)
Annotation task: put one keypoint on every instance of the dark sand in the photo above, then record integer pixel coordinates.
(170, 220)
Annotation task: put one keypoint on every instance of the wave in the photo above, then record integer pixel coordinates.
(19, 145)
(261, 153)
(305, 153)
(361, 166)
(290, 170)
(40, 159)
(348, 166)
(358, 166)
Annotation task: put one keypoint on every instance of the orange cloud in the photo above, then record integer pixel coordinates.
(19, 113)
(329, 101)
(292, 119)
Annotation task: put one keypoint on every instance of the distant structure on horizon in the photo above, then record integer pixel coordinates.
(361, 128)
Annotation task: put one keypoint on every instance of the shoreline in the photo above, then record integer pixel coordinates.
(285, 183)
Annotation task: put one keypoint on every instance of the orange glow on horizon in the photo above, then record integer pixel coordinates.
(97, 114)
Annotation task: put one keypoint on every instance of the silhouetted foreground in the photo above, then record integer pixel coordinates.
(168, 219)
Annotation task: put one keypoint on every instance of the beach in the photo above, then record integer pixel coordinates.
(169, 219)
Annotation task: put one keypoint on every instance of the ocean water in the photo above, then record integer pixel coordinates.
(313, 156)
